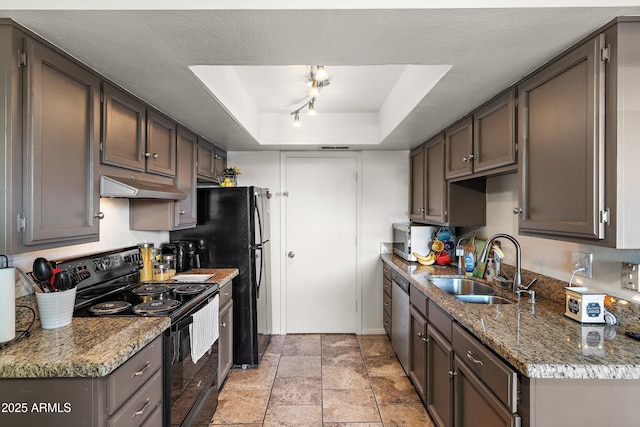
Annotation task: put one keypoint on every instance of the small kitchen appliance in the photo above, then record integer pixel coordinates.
(584, 306)
(409, 238)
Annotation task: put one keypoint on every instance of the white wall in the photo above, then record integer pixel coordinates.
(551, 257)
(114, 233)
(385, 183)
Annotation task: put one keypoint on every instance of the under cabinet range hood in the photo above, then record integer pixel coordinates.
(111, 186)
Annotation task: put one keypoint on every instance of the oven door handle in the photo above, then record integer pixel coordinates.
(181, 324)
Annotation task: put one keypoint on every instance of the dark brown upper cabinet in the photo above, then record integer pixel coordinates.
(562, 161)
(459, 149)
(161, 144)
(494, 134)
(123, 139)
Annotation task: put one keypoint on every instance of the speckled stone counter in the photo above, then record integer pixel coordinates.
(536, 339)
(88, 347)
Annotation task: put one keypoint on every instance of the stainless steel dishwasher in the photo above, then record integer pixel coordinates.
(400, 318)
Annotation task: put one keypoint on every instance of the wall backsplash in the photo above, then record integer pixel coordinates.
(114, 233)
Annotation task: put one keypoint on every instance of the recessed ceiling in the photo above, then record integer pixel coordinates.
(359, 105)
(148, 50)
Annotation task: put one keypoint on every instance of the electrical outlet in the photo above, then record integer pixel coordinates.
(582, 259)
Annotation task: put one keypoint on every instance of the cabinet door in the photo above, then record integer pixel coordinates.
(220, 161)
(494, 137)
(206, 163)
(161, 144)
(417, 182)
(62, 123)
(439, 378)
(123, 137)
(187, 145)
(418, 351)
(436, 185)
(459, 149)
(562, 159)
(225, 343)
(475, 405)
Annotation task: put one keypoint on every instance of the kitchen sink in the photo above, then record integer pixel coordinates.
(460, 286)
(483, 299)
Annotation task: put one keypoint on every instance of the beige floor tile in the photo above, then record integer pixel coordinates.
(394, 390)
(301, 348)
(270, 359)
(260, 378)
(236, 425)
(293, 416)
(383, 366)
(376, 347)
(345, 377)
(296, 391)
(352, 425)
(373, 337)
(341, 356)
(405, 415)
(349, 406)
(303, 337)
(299, 366)
(241, 406)
(339, 340)
(275, 345)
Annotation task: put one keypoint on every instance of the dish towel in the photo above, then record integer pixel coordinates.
(203, 332)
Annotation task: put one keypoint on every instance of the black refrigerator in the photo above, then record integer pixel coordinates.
(232, 231)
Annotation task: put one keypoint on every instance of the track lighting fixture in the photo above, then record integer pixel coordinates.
(318, 79)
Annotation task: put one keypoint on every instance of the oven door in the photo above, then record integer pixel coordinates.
(191, 390)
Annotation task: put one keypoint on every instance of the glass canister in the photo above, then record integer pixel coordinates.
(160, 272)
(146, 249)
(170, 260)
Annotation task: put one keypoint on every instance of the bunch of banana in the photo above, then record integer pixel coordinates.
(426, 260)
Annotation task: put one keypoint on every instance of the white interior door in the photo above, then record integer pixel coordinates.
(320, 249)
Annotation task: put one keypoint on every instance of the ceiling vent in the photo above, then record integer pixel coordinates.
(334, 147)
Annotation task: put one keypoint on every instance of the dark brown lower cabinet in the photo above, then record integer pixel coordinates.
(474, 404)
(225, 342)
(418, 351)
(439, 378)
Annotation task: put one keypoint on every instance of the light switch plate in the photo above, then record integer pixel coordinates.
(629, 277)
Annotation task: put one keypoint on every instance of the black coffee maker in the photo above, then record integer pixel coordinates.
(185, 252)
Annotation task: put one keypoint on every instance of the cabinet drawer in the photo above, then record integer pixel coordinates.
(125, 380)
(386, 318)
(386, 303)
(141, 405)
(440, 320)
(386, 271)
(226, 293)
(386, 285)
(494, 373)
(418, 300)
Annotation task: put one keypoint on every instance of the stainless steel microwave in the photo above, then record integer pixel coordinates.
(409, 238)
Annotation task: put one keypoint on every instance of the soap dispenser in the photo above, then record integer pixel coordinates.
(469, 256)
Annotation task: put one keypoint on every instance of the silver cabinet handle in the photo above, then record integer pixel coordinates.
(452, 374)
(98, 215)
(517, 211)
(154, 155)
(224, 325)
(141, 371)
(182, 212)
(468, 158)
(473, 359)
(141, 411)
(425, 340)
(291, 254)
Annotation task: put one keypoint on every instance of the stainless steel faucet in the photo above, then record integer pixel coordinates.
(517, 280)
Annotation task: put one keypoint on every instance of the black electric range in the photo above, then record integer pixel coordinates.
(111, 286)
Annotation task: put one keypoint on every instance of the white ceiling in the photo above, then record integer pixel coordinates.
(149, 52)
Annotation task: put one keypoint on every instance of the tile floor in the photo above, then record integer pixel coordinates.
(322, 380)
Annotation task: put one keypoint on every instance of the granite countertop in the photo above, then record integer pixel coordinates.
(218, 275)
(536, 339)
(89, 346)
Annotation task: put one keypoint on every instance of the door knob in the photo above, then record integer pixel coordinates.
(291, 254)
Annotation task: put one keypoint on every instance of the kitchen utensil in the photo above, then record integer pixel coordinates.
(42, 270)
(63, 280)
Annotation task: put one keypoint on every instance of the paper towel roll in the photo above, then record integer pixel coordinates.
(7, 304)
